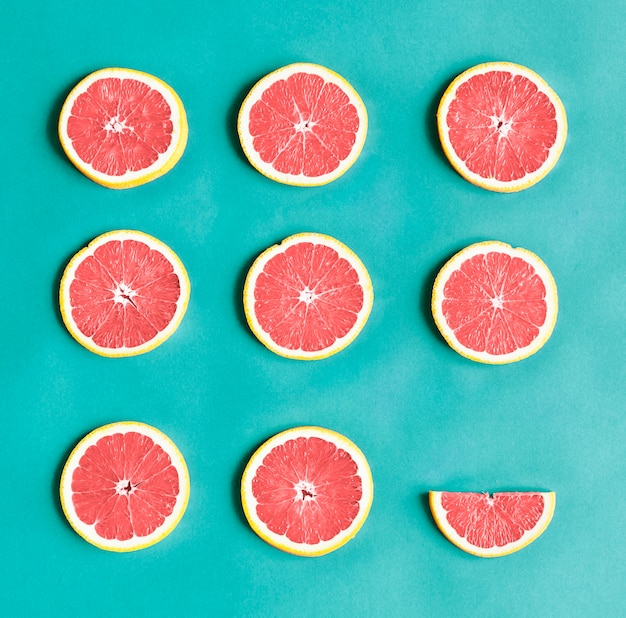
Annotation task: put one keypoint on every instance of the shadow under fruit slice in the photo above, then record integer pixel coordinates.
(123, 128)
(302, 125)
(124, 294)
(495, 304)
(308, 297)
(492, 525)
(307, 491)
(501, 126)
(125, 486)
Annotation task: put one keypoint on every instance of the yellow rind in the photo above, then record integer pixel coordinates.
(442, 524)
(66, 311)
(108, 429)
(262, 85)
(255, 270)
(440, 321)
(252, 466)
(457, 163)
(111, 183)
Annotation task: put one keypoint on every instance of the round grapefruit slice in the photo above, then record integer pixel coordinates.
(307, 491)
(492, 525)
(302, 125)
(125, 486)
(501, 126)
(124, 294)
(308, 297)
(495, 304)
(123, 128)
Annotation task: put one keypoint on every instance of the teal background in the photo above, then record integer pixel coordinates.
(425, 417)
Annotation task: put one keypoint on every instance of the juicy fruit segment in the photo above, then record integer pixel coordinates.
(307, 491)
(302, 124)
(308, 297)
(124, 294)
(495, 525)
(122, 127)
(501, 126)
(125, 486)
(495, 304)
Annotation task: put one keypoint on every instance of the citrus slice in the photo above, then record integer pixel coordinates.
(124, 294)
(495, 304)
(501, 126)
(122, 127)
(125, 486)
(308, 297)
(307, 491)
(302, 125)
(491, 526)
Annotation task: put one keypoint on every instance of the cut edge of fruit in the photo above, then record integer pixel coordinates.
(551, 298)
(278, 541)
(491, 184)
(257, 268)
(123, 352)
(439, 515)
(65, 490)
(154, 171)
(300, 180)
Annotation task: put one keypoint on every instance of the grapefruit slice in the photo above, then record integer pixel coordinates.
(308, 297)
(495, 304)
(302, 125)
(124, 294)
(491, 526)
(123, 128)
(125, 486)
(307, 491)
(501, 126)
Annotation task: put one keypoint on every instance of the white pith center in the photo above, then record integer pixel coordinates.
(497, 302)
(124, 488)
(501, 125)
(115, 124)
(304, 125)
(124, 294)
(307, 296)
(305, 491)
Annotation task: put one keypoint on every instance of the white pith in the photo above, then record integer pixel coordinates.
(551, 299)
(88, 531)
(303, 489)
(164, 161)
(440, 515)
(307, 296)
(303, 126)
(503, 127)
(123, 293)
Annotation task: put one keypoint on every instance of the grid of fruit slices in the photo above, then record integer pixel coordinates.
(302, 124)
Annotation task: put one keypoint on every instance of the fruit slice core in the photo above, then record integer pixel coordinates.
(304, 125)
(125, 486)
(307, 489)
(501, 125)
(120, 125)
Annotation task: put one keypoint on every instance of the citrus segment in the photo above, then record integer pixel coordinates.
(495, 304)
(307, 491)
(501, 126)
(308, 297)
(122, 127)
(125, 486)
(123, 294)
(492, 525)
(302, 125)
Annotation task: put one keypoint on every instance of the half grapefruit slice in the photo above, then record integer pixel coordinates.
(308, 297)
(495, 304)
(125, 486)
(307, 491)
(123, 128)
(124, 294)
(302, 125)
(501, 126)
(492, 525)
